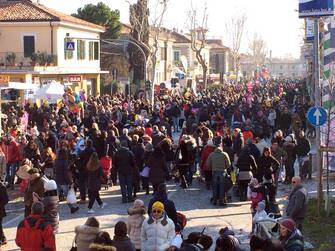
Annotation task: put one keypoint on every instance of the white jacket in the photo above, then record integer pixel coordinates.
(156, 235)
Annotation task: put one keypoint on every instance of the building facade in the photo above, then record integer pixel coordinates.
(39, 45)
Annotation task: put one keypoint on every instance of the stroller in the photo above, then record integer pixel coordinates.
(267, 228)
(106, 164)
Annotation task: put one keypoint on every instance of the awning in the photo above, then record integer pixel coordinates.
(19, 86)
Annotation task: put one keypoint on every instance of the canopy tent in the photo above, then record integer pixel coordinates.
(51, 92)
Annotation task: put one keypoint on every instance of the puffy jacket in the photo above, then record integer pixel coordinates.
(134, 225)
(85, 235)
(35, 234)
(218, 160)
(51, 211)
(169, 206)
(157, 234)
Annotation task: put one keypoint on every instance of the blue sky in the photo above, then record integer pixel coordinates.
(275, 20)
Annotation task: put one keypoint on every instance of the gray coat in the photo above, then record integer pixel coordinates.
(297, 204)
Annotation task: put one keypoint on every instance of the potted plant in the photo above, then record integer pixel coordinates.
(34, 59)
(43, 59)
(10, 58)
(51, 60)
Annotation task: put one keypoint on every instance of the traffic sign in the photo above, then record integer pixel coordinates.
(70, 46)
(317, 116)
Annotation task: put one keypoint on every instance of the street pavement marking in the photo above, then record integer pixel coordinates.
(17, 218)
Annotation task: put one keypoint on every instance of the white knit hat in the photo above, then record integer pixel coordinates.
(50, 185)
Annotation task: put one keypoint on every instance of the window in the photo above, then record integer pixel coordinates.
(67, 54)
(28, 46)
(80, 49)
(176, 56)
(93, 50)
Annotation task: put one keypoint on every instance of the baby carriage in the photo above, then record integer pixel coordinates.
(106, 164)
(267, 228)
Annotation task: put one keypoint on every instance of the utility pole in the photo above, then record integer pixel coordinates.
(317, 100)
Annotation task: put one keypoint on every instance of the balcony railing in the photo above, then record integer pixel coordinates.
(17, 60)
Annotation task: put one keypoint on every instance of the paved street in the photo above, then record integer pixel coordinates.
(193, 202)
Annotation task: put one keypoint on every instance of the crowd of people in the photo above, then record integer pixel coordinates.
(245, 135)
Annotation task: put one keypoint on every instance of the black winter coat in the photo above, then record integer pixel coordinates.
(266, 165)
(94, 179)
(3, 200)
(51, 208)
(158, 170)
(124, 162)
(62, 172)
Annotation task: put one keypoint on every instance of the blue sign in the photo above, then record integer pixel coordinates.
(69, 46)
(317, 116)
(316, 8)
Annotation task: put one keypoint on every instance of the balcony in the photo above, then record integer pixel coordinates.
(16, 61)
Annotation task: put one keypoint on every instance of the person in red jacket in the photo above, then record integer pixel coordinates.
(34, 232)
(11, 149)
(208, 149)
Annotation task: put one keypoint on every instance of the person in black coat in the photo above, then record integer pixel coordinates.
(51, 204)
(84, 157)
(266, 164)
(95, 175)
(169, 207)
(158, 168)
(125, 165)
(3, 201)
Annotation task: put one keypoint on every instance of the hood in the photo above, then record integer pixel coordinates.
(138, 210)
(83, 229)
(101, 247)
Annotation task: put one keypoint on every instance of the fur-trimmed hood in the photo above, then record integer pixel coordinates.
(101, 247)
(83, 229)
(137, 210)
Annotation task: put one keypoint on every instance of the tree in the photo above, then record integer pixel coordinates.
(139, 21)
(102, 15)
(142, 31)
(234, 29)
(198, 33)
(258, 51)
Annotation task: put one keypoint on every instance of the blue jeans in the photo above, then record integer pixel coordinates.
(63, 190)
(218, 185)
(10, 173)
(175, 121)
(126, 184)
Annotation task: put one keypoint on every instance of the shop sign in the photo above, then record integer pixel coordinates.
(74, 78)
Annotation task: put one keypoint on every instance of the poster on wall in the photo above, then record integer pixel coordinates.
(316, 8)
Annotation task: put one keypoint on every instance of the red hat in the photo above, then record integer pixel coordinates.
(289, 224)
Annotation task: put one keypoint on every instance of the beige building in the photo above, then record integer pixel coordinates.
(35, 46)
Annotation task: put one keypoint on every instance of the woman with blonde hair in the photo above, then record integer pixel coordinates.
(95, 175)
(48, 163)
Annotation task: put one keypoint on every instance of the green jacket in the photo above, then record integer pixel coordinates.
(218, 160)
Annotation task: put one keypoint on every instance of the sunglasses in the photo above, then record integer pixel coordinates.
(157, 211)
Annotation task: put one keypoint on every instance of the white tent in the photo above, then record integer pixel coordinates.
(51, 92)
